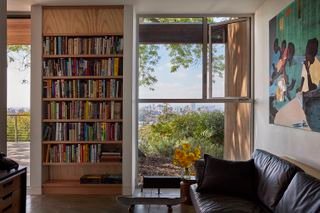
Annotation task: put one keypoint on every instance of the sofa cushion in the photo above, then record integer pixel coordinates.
(273, 176)
(302, 195)
(208, 202)
(228, 177)
(199, 168)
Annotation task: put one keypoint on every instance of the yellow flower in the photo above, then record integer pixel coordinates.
(185, 155)
(191, 157)
(197, 153)
(185, 146)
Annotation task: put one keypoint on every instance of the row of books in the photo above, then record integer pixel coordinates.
(60, 45)
(73, 153)
(83, 67)
(82, 132)
(82, 110)
(107, 88)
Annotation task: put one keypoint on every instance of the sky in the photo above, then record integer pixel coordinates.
(18, 93)
(185, 83)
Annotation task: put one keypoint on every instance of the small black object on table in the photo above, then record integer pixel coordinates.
(159, 182)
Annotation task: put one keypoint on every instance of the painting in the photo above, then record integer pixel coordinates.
(294, 69)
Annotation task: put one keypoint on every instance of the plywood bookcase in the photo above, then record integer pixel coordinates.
(82, 81)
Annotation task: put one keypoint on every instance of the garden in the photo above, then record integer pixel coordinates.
(158, 141)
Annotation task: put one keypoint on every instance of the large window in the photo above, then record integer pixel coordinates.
(194, 86)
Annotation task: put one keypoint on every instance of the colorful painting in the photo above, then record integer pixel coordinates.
(294, 72)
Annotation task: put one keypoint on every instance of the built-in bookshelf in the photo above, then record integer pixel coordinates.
(82, 101)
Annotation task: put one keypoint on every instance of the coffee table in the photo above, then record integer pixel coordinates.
(168, 197)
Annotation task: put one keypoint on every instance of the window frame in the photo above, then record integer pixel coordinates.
(205, 60)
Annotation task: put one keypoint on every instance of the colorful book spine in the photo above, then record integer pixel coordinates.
(82, 132)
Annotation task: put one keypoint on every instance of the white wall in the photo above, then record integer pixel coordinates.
(129, 142)
(3, 76)
(154, 6)
(36, 103)
(299, 144)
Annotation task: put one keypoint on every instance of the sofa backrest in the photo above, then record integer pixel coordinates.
(302, 195)
(272, 176)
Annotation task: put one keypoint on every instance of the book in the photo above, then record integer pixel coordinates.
(61, 45)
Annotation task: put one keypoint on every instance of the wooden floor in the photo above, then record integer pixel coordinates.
(90, 204)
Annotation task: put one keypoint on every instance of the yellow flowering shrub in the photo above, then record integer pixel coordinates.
(185, 155)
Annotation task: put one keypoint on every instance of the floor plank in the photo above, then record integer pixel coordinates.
(90, 204)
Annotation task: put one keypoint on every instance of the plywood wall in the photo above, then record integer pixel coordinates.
(237, 116)
(18, 31)
(83, 20)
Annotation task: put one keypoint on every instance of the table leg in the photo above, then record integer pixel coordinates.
(131, 209)
(169, 208)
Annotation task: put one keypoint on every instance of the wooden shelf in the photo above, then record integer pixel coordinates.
(80, 77)
(82, 142)
(82, 164)
(76, 22)
(84, 56)
(74, 187)
(82, 99)
(75, 35)
(81, 120)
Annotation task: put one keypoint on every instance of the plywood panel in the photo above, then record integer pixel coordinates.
(237, 116)
(237, 131)
(18, 31)
(82, 20)
(74, 187)
(74, 172)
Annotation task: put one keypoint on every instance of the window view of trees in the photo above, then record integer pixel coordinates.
(181, 56)
(18, 119)
(164, 126)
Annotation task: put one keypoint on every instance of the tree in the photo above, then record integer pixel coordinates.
(181, 56)
(204, 129)
(21, 55)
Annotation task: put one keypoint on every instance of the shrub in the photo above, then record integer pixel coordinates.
(204, 129)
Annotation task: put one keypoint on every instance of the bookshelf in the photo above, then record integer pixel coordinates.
(82, 97)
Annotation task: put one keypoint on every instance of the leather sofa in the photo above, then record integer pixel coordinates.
(279, 186)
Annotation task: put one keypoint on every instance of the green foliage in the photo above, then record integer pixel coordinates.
(22, 122)
(200, 129)
(148, 59)
(181, 55)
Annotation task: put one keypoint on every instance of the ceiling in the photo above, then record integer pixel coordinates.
(155, 6)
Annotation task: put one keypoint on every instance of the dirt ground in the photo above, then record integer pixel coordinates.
(157, 166)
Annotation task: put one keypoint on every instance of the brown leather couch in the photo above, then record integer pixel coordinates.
(279, 186)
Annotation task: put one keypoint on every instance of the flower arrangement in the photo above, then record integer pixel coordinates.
(185, 155)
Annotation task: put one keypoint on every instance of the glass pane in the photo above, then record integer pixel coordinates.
(170, 71)
(163, 126)
(229, 75)
(221, 130)
(218, 70)
(148, 20)
(215, 20)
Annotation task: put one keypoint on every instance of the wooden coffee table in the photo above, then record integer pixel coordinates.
(168, 197)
